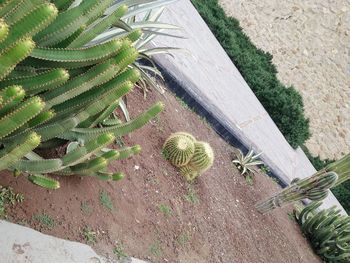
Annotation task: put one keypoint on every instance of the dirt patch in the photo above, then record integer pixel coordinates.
(156, 215)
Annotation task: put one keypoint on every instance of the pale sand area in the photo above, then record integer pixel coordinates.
(310, 42)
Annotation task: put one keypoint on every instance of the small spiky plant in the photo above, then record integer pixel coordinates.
(178, 149)
(246, 163)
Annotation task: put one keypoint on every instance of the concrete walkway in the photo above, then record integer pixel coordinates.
(19, 244)
(208, 75)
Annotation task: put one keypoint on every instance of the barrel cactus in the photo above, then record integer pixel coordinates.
(61, 81)
(191, 157)
(178, 149)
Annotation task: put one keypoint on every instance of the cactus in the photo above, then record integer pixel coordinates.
(191, 157)
(59, 84)
(178, 149)
(201, 161)
(327, 230)
(314, 187)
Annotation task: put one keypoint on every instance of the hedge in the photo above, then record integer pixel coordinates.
(284, 104)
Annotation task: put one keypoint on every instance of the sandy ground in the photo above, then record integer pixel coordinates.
(309, 41)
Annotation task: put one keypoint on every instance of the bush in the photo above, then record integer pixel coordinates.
(284, 104)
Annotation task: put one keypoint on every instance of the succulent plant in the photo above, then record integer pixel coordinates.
(327, 230)
(314, 187)
(191, 157)
(246, 163)
(57, 86)
(178, 149)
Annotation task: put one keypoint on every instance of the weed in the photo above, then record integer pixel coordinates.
(86, 208)
(265, 169)
(8, 198)
(119, 141)
(249, 179)
(291, 216)
(155, 249)
(45, 220)
(165, 209)
(191, 196)
(105, 200)
(183, 238)
(182, 103)
(119, 252)
(89, 235)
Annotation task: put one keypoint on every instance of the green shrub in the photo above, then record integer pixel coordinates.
(284, 104)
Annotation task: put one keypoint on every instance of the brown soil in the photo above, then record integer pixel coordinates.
(222, 226)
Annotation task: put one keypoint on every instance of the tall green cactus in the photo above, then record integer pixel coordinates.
(315, 188)
(56, 88)
(327, 230)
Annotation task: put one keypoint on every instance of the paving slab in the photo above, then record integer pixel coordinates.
(208, 75)
(19, 244)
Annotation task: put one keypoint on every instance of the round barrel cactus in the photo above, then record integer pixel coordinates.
(178, 149)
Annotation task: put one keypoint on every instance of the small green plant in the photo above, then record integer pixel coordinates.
(105, 200)
(86, 208)
(249, 179)
(8, 198)
(119, 251)
(183, 238)
(89, 235)
(45, 220)
(191, 196)
(265, 169)
(246, 163)
(155, 249)
(165, 209)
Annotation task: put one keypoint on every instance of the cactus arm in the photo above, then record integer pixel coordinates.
(4, 29)
(7, 6)
(91, 166)
(67, 22)
(84, 152)
(62, 4)
(42, 117)
(99, 28)
(11, 97)
(20, 150)
(97, 76)
(108, 111)
(38, 166)
(73, 58)
(40, 82)
(13, 55)
(11, 122)
(119, 130)
(34, 21)
(44, 181)
(65, 43)
(21, 10)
